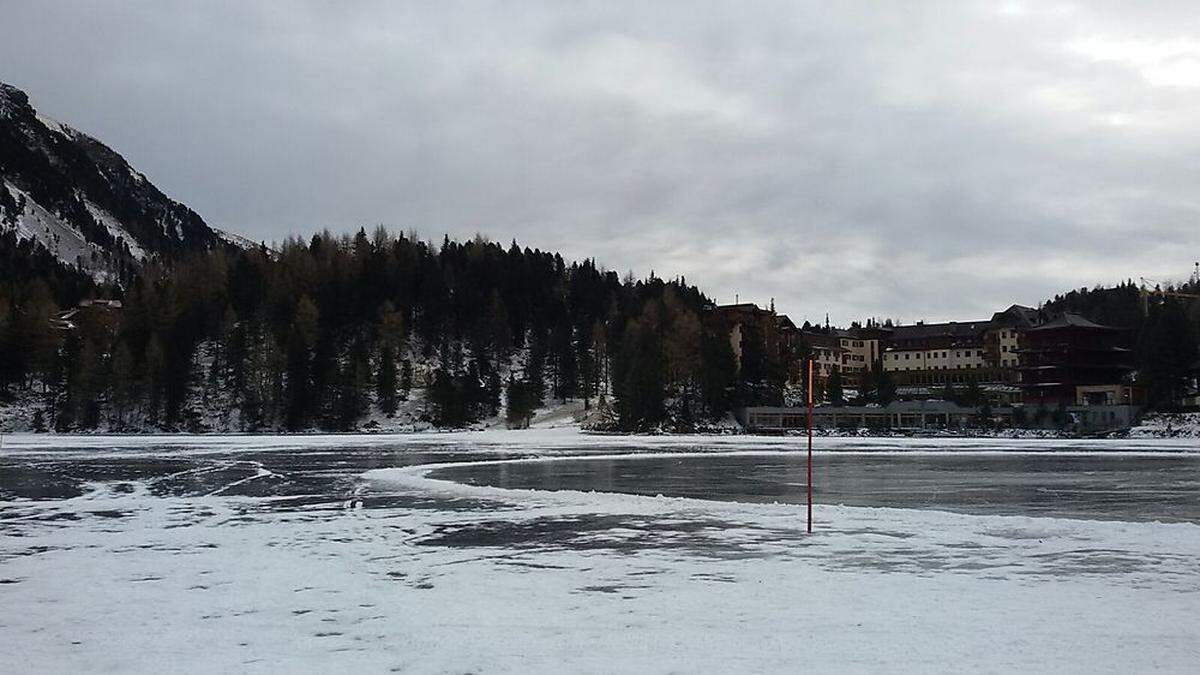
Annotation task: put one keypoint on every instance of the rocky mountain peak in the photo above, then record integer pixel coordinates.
(81, 200)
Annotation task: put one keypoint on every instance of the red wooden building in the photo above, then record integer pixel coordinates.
(1069, 357)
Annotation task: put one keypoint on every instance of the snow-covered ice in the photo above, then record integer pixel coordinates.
(322, 553)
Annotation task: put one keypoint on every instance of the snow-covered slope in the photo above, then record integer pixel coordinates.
(81, 200)
(236, 240)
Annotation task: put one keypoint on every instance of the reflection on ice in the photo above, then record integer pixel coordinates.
(1103, 486)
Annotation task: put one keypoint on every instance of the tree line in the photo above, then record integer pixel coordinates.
(345, 332)
(337, 332)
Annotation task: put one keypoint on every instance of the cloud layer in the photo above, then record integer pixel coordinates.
(922, 161)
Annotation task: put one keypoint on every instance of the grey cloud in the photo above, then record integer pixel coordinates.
(931, 160)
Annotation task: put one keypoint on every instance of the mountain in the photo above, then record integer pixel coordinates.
(68, 194)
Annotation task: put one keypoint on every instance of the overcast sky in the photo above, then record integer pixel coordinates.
(907, 160)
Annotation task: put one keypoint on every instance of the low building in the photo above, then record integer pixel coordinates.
(1108, 394)
(100, 303)
(898, 415)
(90, 310)
(931, 416)
(996, 393)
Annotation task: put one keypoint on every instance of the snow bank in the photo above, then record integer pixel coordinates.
(1168, 425)
(557, 440)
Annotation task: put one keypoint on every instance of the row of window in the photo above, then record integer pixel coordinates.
(946, 378)
(967, 366)
(945, 355)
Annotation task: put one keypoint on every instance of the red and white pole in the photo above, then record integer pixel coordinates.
(810, 410)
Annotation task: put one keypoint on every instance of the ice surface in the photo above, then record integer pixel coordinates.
(269, 554)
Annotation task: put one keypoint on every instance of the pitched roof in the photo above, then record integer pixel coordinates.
(823, 340)
(1017, 315)
(1069, 320)
(927, 330)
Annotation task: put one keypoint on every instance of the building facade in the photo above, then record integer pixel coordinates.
(1002, 339)
(826, 352)
(860, 352)
(939, 354)
(747, 321)
(1071, 357)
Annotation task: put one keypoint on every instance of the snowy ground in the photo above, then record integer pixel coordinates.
(1177, 425)
(309, 553)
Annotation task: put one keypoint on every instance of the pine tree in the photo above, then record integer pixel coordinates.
(640, 395)
(153, 367)
(1166, 352)
(121, 385)
(8, 351)
(390, 336)
(298, 388)
(520, 403)
(719, 373)
(833, 389)
(386, 381)
(499, 328)
(406, 379)
(885, 387)
(354, 386)
(36, 339)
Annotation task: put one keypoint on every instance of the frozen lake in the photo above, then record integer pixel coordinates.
(552, 551)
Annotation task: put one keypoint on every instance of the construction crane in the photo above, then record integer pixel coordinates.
(1145, 292)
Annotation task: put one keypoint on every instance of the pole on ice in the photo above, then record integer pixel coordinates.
(810, 410)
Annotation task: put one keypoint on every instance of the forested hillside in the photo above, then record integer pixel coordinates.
(337, 332)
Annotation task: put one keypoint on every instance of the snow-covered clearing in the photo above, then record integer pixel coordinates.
(310, 554)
